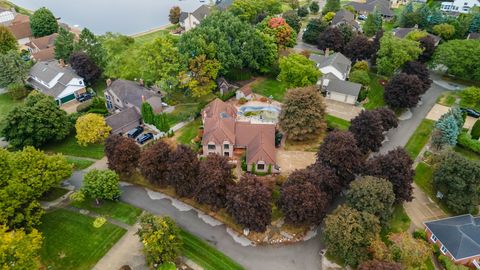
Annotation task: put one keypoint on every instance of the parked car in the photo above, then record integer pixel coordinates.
(471, 112)
(144, 138)
(135, 132)
(84, 97)
(362, 17)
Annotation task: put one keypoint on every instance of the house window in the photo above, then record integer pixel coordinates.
(433, 238)
(226, 146)
(107, 97)
(227, 154)
(443, 250)
(211, 147)
(109, 105)
(261, 167)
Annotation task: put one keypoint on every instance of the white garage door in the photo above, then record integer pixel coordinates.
(351, 99)
(338, 96)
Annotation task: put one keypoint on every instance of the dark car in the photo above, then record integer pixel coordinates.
(135, 132)
(84, 97)
(471, 112)
(144, 138)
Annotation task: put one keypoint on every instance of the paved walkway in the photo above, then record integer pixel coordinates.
(342, 110)
(290, 161)
(422, 209)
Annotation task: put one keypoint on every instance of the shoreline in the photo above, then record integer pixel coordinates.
(152, 30)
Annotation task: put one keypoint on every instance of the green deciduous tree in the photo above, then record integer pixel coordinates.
(64, 44)
(43, 23)
(91, 128)
(8, 41)
(470, 96)
(314, 28)
(37, 121)
(14, 68)
(17, 91)
(373, 23)
(348, 234)
(279, 29)
(303, 114)
(476, 130)
(331, 6)
(19, 250)
(101, 185)
(372, 195)
(458, 179)
(412, 252)
(253, 11)
(444, 30)
(161, 239)
(297, 70)
(394, 52)
(91, 45)
(201, 75)
(292, 18)
(461, 57)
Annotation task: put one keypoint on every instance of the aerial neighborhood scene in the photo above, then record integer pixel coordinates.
(240, 134)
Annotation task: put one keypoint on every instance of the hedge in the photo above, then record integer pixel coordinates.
(476, 130)
(466, 141)
(449, 265)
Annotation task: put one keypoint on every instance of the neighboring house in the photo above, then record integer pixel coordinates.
(191, 20)
(42, 49)
(124, 121)
(56, 80)
(345, 17)
(458, 238)
(223, 133)
(403, 32)
(343, 91)
(365, 8)
(335, 63)
(20, 28)
(223, 4)
(224, 87)
(7, 16)
(473, 36)
(459, 6)
(122, 94)
(244, 92)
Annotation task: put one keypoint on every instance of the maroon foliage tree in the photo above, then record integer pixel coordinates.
(359, 48)
(303, 204)
(396, 167)
(388, 117)
(122, 154)
(248, 202)
(331, 38)
(155, 163)
(326, 180)
(421, 71)
(339, 151)
(85, 67)
(368, 130)
(403, 91)
(184, 166)
(379, 265)
(215, 176)
(427, 43)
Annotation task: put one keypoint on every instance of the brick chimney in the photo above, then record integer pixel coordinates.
(327, 52)
(108, 82)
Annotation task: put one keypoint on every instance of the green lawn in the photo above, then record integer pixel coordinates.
(270, 87)
(79, 163)
(71, 241)
(151, 36)
(337, 123)
(6, 105)
(116, 210)
(205, 255)
(70, 147)
(447, 98)
(53, 194)
(419, 138)
(467, 153)
(423, 178)
(189, 132)
(375, 93)
(399, 222)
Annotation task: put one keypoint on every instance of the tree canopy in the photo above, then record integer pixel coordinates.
(122, 154)
(85, 67)
(373, 23)
(185, 165)
(91, 46)
(331, 6)
(359, 48)
(14, 68)
(174, 15)
(43, 23)
(460, 57)
(155, 163)
(101, 184)
(394, 52)
(19, 250)
(403, 91)
(64, 44)
(314, 28)
(8, 41)
(296, 70)
(91, 128)
(279, 29)
(254, 11)
(201, 75)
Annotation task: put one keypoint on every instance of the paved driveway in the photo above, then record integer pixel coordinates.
(422, 209)
(290, 161)
(342, 110)
(437, 111)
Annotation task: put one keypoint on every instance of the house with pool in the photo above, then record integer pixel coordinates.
(249, 130)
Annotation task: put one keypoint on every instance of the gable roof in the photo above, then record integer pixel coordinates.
(43, 42)
(344, 87)
(345, 16)
(460, 235)
(202, 12)
(124, 120)
(337, 60)
(403, 32)
(383, 6)
(46, 72)
(20, 26)
(259, 140)
(130, 92)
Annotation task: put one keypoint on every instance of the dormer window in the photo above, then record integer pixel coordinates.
(226, 146)
(211, 147)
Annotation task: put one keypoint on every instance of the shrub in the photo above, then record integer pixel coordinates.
(466, 141)
(99, 222)
(242, 101)
(362, 95)
(476, 130)
(361, 65)
(77, 196)
(449, 265)
(420, 234)
(302, 11)
(17, 91)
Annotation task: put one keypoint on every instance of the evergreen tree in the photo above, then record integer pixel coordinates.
(161, 122)
(373, 23)
(423, 14)
(147, 113)
(448, 127)
(475, 24)
(64, 44)
(89, 44)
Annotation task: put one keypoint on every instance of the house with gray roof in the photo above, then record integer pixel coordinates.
(336, 63)
(458, 238)
(365, 8)
(189, 20)
(345, 17)
(403, 32)
(223, 4)
(56, 80)
(343, 91)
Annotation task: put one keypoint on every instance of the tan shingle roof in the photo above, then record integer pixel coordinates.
(20, 26)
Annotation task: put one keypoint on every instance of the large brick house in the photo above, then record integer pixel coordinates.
(457, 238)
(223, 133)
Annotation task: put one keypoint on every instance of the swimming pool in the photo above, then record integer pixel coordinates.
(259, 114)
(245, 109)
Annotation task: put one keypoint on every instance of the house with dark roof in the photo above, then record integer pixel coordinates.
(343, 91)
(473, 36)
(403, 32)
(43, 48)
(56, 80)
(224, 133)
(124, 121)
(336, 63)
(223, 4)
(365, 8)
(345, 17)
(458, 238)
(189, 20)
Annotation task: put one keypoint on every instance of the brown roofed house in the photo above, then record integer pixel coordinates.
(244, 92)
(43, 48)
(20, 27)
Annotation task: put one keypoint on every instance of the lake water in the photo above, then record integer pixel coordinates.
(122, 16)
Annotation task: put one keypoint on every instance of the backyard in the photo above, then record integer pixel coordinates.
(147, 37)
(70, 147)
(375, 93)
(71, 241)
(189, 132)
(270, 87)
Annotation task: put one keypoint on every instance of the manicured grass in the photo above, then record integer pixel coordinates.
(71, 241)
(467, 153)
(53, 194)
(447, 99)
(182, 112)
(116, 210)
(399, 221)
(79, 163)
(419, 138)
(375, 93)
(423, 178)
(189, 132)
(153, 35)
(70, 147)
(270, 87)
(99, 87)
(6, 105)
(337, 123)
(205, 255)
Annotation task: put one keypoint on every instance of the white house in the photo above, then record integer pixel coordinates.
(460, 6)
(191, 20)
(244, 92)
(335, 63)
(56, 80)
